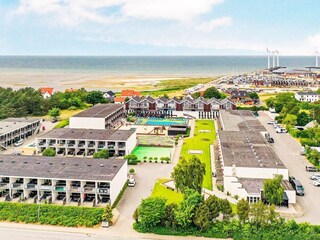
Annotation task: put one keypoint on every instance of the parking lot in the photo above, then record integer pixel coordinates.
(288, 150)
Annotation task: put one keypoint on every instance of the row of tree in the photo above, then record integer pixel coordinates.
(29, 101)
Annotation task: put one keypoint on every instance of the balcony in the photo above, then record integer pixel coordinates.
(42, 143)
(31, 186)
(60, 188)
(103, 190)
(4, 185)
(17, 185)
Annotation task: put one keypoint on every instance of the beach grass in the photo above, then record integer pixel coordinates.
(161, 191)
(201, 141)
(174, 87)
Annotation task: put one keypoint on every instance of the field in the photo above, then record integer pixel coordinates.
(174, 87)
(201, 141)
(161, 191)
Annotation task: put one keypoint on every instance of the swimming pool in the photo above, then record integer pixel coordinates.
(161, 121)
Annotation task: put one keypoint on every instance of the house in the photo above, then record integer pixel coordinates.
(67, 181)
(129, 93)
(307, 96)
(46, 92)
(246, 158)
(100, 116)
(86, 142)
(120, 100)
(239, 95)
(109, 95)
(14, 129)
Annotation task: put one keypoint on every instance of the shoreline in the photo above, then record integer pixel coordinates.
(91, 81)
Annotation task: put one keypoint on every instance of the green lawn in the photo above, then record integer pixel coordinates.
(161, 191)
(201, 141)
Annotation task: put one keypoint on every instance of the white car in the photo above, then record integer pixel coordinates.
(316, 183)
(18, 143)
(131, 182)
(315, 176)
(281, 130)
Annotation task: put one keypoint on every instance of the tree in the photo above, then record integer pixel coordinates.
(212, 92)
(201, 217)
(104, 153)
(272, 189)
(253, 95)
(290, 120)
(258, 213)
(186, 209)
(132, 159)
(151, 211)
(303, 119)
(54, 113)
(226, 208)
(107, 214)
(169, 218)
(49, 152)
(189, 174)
(213, 204)
(243, 210)
(95, 97)
(131, 171)
(166, 96)
(195, 95)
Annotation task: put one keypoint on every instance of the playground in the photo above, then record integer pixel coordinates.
(153, 154)
(161, 121)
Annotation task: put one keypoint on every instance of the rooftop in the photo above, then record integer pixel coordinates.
(99, 111)
(11, 124)
(60, 167)
(307, 93)
(88, 134)
(254, 186)
(242, 142)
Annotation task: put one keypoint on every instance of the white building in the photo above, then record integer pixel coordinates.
(247, 159)
(100, 116)
(85, 142)
(307, 96)
(74, 181)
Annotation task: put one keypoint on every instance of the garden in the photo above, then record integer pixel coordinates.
(204, 135)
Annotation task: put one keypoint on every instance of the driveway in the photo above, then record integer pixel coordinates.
(287, 148)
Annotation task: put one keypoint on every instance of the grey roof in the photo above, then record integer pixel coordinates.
(110, 93)
(12, 124)
(100, 110)
(242, 143)
(254, 185)
(88, 134)
(307, 93)
(60, 168)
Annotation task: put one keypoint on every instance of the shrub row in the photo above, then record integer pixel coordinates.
(50, 214)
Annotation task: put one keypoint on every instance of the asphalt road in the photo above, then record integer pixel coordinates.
(287, 149)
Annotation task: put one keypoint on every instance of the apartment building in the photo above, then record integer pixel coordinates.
(85, 142)
(199, 107)
(246, 157)
(100, 116)
(14, 129)
(307, 96)
(67, 181)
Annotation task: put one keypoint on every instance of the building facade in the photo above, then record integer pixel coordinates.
(100, 116)
(307, 96)
(86, 142)
(67, 181)
(14, 129)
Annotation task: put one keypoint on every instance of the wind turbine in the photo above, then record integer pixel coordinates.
(278, 63)
(273, 59)
(316, 53)
(268, 58)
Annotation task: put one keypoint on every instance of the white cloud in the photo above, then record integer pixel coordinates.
(210, 25)
(314, 40)
(181, 10)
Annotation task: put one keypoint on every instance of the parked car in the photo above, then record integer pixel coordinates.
(272, 122)
(315, 176)
(54, 120)
(131, 182)
(316, 182)
(280, 130)
(311, 169)
(291, 178)
(296, 184)
(18, 143)
(271, 140)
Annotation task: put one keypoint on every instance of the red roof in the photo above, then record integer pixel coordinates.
(119, 99)
(129, 93)
(48, 90)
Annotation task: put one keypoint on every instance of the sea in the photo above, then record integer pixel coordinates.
(147, 65)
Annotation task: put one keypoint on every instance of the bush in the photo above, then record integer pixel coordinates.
(62, 124)
(220, 188)
(104, 153)
(49, 152)
(236, 197)
(132, 159)
(131, 170)
(50, 214)
(151, 211)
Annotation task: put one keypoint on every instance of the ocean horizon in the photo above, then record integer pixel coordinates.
(146, 65)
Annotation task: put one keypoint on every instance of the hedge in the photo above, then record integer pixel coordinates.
(62, 124)
(115, 203)
(50, 214)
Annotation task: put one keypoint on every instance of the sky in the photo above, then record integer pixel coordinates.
(159, 27)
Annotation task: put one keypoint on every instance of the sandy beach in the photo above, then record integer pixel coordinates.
(91, 81)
